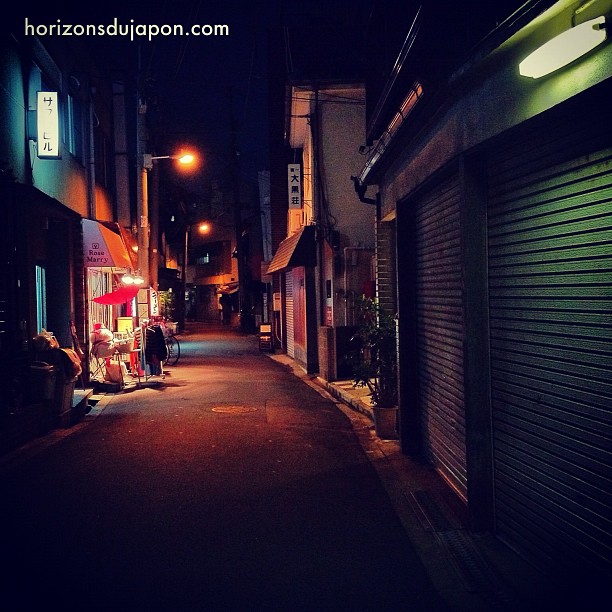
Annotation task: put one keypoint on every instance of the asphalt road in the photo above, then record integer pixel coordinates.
(232, 486)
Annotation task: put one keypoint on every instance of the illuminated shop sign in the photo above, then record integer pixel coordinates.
(47, 117)
(153, 303)
(294, 185)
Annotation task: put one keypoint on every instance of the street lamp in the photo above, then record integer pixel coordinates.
(185, 159)
(146, 161)
(203, 228)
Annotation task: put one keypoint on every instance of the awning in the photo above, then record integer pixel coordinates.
(121, 295)
(131, 243)
(297, 250)
(229, 288)
(103, 247)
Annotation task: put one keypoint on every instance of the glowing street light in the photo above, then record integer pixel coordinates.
(185, 159)
(188, 158)
(146, 161)
(204, 227)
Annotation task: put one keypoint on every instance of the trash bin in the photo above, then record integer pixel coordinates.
(43, 382)
(64, 394)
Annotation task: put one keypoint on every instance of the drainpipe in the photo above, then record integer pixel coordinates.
(360, 190)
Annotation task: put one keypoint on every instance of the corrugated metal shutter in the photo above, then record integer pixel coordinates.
(386, 275)
(289, 313)
(440, 332)
(550, 277)
(4, 309)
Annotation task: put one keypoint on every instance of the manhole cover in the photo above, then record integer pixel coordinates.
(234, 409)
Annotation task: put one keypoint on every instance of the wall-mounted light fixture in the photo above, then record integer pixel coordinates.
(564, 48)
(132, 279)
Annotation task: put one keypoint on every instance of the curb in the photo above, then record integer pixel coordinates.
(346, 397)
(33, 447)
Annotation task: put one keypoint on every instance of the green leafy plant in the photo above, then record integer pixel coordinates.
(167, 302)
(374, 358)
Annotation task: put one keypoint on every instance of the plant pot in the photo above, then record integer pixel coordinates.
(385, 422)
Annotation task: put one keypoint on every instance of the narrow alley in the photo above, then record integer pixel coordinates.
(231, 486)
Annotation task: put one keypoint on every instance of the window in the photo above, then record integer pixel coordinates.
(73, 133)
(41, 298)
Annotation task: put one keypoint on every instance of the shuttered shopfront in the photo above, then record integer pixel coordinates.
(550, 286)
(289, 313)
(440, 331)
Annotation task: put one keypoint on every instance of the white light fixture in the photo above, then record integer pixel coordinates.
(132, 279)
(564, 48)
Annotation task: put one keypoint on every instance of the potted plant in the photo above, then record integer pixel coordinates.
(375, 363)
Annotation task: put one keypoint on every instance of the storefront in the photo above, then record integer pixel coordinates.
(502, 203)
(295, 261)
(111, 303)
(431, 274)
(550, 285)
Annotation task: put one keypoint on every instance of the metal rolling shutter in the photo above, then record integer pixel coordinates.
(550, 283)
(440, 332)
(289, 313)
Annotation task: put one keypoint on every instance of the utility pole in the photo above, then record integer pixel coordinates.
(142, 196)
(244, 299)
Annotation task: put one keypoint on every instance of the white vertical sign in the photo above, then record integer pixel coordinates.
(154, 303)
(47, 118)
(294, 178)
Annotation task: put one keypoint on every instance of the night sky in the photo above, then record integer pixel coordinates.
(190, 80)
(195, 81)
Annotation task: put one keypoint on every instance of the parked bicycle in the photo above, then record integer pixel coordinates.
(174, 350)
(173, 346)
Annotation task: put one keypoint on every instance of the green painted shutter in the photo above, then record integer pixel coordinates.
(550, 284)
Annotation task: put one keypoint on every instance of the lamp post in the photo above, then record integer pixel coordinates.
(203, 228)
(146, 165)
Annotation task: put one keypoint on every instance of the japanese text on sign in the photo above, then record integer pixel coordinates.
(294, 185)
(47, 116)
(154, 303)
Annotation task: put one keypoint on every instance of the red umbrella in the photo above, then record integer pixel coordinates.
(118, 296)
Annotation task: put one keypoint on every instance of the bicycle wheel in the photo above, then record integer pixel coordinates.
(174, 351)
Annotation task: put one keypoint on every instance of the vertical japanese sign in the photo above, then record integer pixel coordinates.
(154, 303)
(143, 304)
(47, 119)
(294, 177)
